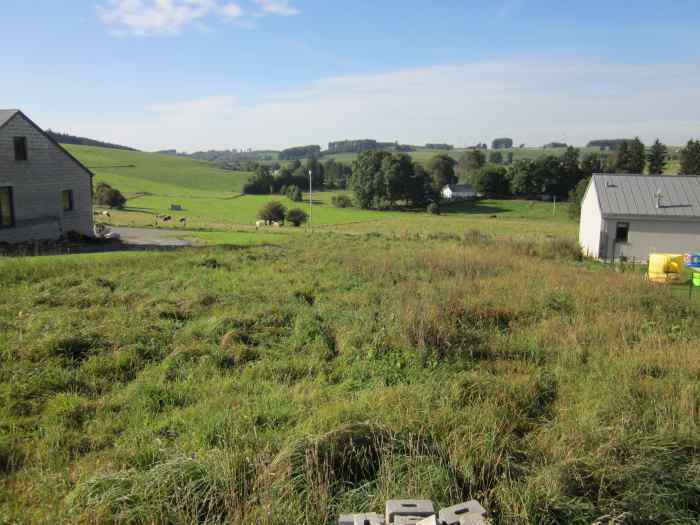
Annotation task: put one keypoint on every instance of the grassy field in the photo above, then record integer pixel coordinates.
(135, 173)
(291, 381)
(285, 377)
(209, 203)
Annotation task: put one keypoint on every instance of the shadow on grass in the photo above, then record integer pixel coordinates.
(470, 207)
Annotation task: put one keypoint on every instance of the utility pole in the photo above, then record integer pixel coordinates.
(310, 201)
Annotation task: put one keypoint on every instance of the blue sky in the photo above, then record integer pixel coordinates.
(199, 74)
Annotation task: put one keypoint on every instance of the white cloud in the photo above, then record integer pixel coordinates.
(169, 17)
(279, 7)
(231, 11)
(534, 102)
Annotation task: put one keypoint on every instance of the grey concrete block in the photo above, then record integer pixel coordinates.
(472, 518)
(361, 519)
(407, 520)
(451, 515)
(422, 508)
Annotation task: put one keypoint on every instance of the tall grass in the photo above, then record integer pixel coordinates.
(290, 384)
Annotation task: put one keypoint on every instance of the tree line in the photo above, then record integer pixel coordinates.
(300, 152)
(381, 178)
(65, 138)
(268, 179)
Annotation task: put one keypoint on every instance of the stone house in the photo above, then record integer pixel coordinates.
(45, 192)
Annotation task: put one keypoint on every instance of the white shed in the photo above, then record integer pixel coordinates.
(634, 215)
(458, 191)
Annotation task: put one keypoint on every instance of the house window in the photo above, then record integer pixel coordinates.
(21, 148)
(622, 231)
(67, 196)
(7, 212)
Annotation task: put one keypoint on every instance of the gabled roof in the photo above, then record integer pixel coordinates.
(636, 195)
(7, 114)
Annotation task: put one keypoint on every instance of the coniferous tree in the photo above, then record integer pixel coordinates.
(656, 159)
(690, 158)
(637, 156)
(631, 157)
(623, 157)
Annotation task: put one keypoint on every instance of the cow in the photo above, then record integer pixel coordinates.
(260, 224)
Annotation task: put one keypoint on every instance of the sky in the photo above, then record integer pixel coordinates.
(268, 74)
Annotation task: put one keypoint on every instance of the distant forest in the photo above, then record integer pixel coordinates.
(64, 138)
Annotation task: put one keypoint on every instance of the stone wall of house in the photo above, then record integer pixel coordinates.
(37, 185)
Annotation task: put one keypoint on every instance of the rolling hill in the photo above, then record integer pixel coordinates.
(134, 172)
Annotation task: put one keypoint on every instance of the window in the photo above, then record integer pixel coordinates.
(21, 148)
(67, 196)
(7, 212)
(622, 231)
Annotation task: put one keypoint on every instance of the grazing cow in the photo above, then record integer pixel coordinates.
(183, 221)
(106, 214)
(276, 224)
(260, 224)
(166, 218)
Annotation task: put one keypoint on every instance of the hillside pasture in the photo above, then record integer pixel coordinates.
(135, 172)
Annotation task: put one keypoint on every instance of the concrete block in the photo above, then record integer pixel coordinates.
(422, 508)
(451, 515)
(407, 520)
(361, 519)
(472, 518)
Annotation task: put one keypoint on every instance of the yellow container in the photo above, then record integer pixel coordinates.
(666, 268)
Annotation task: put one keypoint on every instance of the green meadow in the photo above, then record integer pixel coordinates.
(288, 382)
(152, 183)
(287, 376)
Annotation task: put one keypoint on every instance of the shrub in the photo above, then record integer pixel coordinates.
(297, 217)
(293, 193)
(341, 201)
(434, 208)
(273, 211)
(105, 195)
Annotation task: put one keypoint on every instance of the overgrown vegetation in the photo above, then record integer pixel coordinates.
(287, 384)
(105, 195)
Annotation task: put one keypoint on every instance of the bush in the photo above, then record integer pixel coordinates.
(105, 195)
(434, 208)
(293, 193)
(273, 211)
(341, 201)
(297, 217)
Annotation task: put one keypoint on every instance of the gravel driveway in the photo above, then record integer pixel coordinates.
(151, 237)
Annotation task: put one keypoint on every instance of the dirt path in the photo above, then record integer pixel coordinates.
(151, 237)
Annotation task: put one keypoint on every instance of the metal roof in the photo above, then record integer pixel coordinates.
(7, 114)
(648, 195)
(460, 187)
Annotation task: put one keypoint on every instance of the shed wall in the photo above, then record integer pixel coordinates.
(591, 224)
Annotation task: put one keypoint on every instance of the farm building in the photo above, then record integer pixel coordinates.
(458, 191)
(632, 216)
(44, 191)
